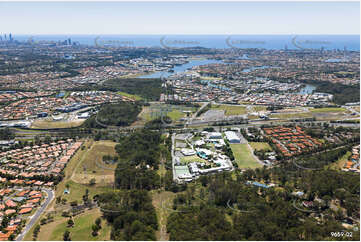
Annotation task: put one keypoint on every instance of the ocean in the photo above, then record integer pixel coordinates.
(268, 42)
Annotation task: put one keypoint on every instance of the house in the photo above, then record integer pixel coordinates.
(10, 204)
(10, 211)
(25, 210)
(36, 200)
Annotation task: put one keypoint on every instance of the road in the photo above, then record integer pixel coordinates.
(36, 216)
(196, 113)
(173, 156)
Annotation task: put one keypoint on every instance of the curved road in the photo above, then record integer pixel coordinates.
(35, 217)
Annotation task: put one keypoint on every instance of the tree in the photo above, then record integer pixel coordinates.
(92, 182)
(66, 236)
(95, 230)
(98, 222)
(36, 232)
(86, 197)
(43, 221)
(70, 223)
(74, 203)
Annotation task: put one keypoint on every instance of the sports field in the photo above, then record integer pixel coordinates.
(244, 157)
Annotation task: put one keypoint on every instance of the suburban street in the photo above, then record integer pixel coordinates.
(35, 217)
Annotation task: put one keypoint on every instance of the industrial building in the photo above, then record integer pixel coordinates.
(232, 137)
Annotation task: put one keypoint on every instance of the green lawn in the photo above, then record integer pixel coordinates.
(243, 156)
(132, 96)
(260, 146)
(81, 231)
(192, 158)
(230, 110)
(175, 115)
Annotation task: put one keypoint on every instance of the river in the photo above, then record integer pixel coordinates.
(181, 68)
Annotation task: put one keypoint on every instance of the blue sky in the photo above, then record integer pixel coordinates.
(180, 17)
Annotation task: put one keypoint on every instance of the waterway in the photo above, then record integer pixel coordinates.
(182, 68)
(308, 89)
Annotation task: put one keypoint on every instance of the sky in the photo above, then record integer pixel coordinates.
(194, 18)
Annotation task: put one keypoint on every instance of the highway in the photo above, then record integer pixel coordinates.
(36, 216)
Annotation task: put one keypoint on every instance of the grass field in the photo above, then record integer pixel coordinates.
(259, 108)
(132, 96)
(175, 112)
(95, 155)
(81, 231)
(77, 190)
(42, 124)
(327, 110)
(192, 158)
(230, 110)
(260, 146)
(243, 156)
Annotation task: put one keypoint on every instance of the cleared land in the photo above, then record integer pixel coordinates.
(42, 124)
(327, 110)
(162, 201)
(243, 156)
(260, 146)
(230, 110)
(91, 165)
